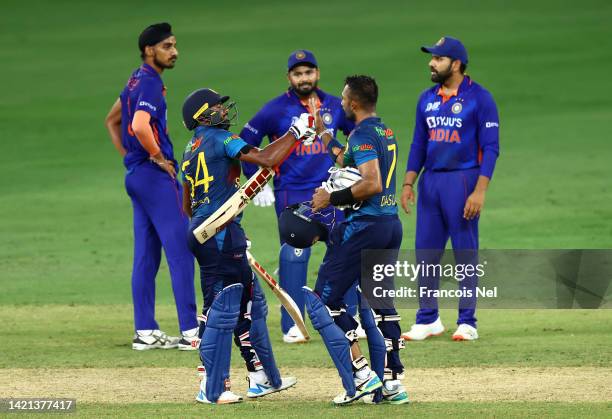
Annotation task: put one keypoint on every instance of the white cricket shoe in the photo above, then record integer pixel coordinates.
(363, 387)
(465, 332)
(227, 397)
(259, 385)
(153, 339)
(423, 331)
(189, 340)
(294, 335)
(393, 393)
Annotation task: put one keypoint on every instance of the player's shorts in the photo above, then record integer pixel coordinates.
(342, 261)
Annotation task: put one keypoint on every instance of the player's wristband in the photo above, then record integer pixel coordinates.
(342, 197)
(330, 149)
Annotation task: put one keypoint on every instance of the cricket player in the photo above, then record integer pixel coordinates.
(233, 301)
(455, 145)
(137, 127)
(374, 224)
(302, 172)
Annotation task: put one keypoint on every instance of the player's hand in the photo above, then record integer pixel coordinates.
(407, 198)
(265, 198)
(320, 199)
(303, 129)
(166, 165)
(473, 205)
(318, 121)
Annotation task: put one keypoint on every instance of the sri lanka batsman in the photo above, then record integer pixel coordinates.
(233, 301)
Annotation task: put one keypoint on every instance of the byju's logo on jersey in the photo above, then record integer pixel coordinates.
(432, 106)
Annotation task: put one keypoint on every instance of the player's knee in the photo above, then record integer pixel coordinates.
(292, 254)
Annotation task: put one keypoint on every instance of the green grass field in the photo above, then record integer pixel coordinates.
(65, 253)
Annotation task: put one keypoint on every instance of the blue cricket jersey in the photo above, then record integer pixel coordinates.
(456, 132)
(144, 91)
(306, 167)
(211, 169)
(371, 139)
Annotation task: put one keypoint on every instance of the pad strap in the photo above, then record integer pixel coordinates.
(394, 344)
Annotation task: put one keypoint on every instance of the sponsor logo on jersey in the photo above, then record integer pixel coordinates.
(491, 125)
(456, 108)
(250, 128)
(384, 132)
(147, 104)
(196, 143)
(363, 147)
(230, 138)
(443, 121)
(432, 106)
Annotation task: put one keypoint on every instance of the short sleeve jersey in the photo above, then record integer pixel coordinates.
(211, 169)
(144, 91)
(371, 139)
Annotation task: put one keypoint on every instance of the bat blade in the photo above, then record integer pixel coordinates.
(284, 298)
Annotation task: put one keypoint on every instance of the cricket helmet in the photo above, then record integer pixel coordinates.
(197, 110)
(301, 227)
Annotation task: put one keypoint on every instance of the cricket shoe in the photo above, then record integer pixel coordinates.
(465, 332)
(294, 335)
(259, 385)
(189, 340)
(227, 397)
(363, 387)
(153, 339)
(423, 331)
(393, 392)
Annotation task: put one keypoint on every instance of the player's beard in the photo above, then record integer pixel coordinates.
(305, 89)
(169, 64)
(441, 76)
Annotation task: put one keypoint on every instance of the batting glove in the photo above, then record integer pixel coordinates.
(303, 129)
(265, 198)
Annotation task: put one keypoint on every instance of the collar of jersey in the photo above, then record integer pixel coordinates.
(150, 71)
(462, 87)
(370, 120)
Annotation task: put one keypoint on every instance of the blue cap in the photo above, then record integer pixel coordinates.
(448, 47)
(301, 56)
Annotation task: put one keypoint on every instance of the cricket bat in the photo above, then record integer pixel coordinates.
(281, 294)
(233, 206)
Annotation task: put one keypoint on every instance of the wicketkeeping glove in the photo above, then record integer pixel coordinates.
(303, 129)
(265, 198)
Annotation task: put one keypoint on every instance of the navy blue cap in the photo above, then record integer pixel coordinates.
(448, 47)
(301, 56)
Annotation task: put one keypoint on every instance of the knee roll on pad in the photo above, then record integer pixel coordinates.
(260, 339)
(216, 345)
(333, 336)
(292, 254)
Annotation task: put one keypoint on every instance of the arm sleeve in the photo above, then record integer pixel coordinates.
(150, 99)
(253, 133)
(488, 134)
(362, 148)
(418, 148)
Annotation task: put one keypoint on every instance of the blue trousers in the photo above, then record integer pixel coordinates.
(440, 204)
(159, 222)
(292, 278)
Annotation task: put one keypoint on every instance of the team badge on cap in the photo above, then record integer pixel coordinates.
(440, 42)
(300, 55)
(456, 108)
(327, 118)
